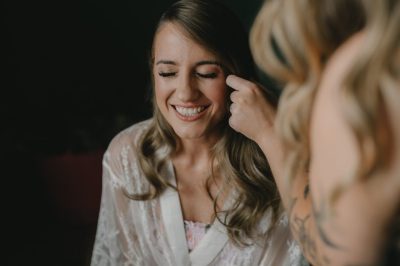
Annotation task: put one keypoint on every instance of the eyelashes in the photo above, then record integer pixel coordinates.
(207, 75)
(166, 74)
(211, 75)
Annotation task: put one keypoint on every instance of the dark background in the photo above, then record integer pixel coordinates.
(76, 73)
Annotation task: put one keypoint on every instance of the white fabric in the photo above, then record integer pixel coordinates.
(152, 232)
(195, 231)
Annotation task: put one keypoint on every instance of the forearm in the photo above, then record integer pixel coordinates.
(273, 150)
(324, 239)
(295, 197)
(337, 238)
(353, 232)
(303, 221)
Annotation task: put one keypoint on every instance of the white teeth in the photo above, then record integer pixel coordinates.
(189, 111)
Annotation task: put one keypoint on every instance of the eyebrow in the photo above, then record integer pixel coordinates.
(208, 62)
(205, 62)
(167, 62)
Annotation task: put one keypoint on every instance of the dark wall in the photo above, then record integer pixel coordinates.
(77, 70)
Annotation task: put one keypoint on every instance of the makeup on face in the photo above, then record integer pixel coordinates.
(189, 83)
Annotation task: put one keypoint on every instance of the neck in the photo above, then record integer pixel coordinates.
(193, 147)
(192, 160)
(194, 151)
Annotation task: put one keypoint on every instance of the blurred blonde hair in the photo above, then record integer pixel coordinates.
(375, 76)
(291, 41)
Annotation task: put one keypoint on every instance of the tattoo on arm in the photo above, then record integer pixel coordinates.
(306, 191)
(320, 217)
(300, 226)
(304, 236)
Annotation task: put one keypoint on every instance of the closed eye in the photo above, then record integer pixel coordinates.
(166, 74)
(207, 75)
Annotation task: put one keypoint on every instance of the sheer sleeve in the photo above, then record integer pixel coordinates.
(283, 249)
(116, 241)
(107, 250)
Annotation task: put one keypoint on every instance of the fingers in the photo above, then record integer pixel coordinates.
(232, 124)
(235, 96)
(243, 90)
(233, 108)
(235, 120)
(238, 83)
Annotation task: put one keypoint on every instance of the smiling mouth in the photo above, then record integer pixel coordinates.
(190, 111)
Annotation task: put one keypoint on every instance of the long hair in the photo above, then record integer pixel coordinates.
(291, 41)
(238, 160)
(373, 79)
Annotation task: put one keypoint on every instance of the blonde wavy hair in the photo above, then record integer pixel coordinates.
(374, 76)
(238, 160)
(291, 41)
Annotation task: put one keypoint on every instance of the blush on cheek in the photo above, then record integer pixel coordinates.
(218, 94)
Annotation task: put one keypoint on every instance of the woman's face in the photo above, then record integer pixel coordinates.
(189, 82)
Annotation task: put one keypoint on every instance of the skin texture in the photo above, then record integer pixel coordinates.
(254, 117)
(188, 76)
(354, 231)
(190, 93)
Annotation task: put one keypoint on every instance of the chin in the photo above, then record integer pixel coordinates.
(188, 134)
(195, 130)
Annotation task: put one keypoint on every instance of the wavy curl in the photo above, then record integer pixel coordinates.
(291, 41)
(238, 160)
(374, 77)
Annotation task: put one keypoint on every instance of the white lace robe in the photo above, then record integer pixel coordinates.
(152, 232)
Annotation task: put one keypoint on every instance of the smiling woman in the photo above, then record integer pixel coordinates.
(189, 84)
(183, 188)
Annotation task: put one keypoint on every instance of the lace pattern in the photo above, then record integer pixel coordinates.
(134, 233)
(195, 231)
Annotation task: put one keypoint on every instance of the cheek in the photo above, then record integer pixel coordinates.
(219, 93)
(161, 91)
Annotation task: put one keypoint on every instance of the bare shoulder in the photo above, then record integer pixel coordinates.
(334, 158)
(332, 139)
(340, 63)
(333, 145)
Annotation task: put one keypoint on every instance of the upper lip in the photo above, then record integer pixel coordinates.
(190, 105)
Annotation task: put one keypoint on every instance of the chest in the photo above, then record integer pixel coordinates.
(197, 191)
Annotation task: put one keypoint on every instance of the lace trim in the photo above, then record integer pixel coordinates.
(195, 231)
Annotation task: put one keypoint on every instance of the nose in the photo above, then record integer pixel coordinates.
(187, 89)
